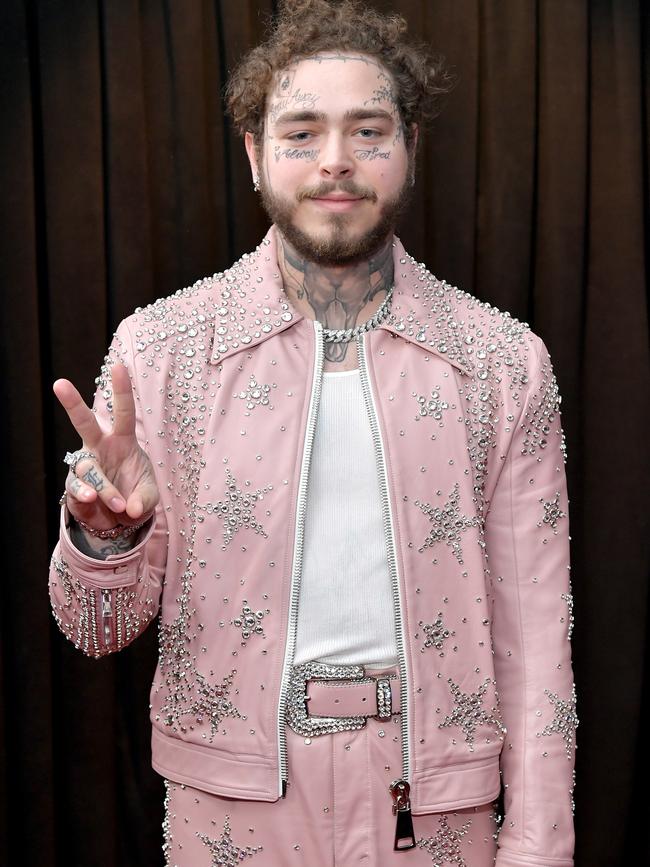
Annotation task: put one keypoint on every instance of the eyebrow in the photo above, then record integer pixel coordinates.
(299, 116)
(368, 114)
(316, 116)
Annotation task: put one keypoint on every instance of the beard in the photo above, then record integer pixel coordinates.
(337, 247)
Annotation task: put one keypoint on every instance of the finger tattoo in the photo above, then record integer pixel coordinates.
(93, 478)
(75, 486)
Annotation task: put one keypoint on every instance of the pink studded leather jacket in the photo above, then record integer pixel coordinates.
(464, 410)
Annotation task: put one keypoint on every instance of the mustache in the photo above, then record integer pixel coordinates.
(345, 186)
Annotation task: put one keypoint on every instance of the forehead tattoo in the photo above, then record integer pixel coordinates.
(286, 97)
(285, 78)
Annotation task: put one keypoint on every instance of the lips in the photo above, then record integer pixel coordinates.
(338, 198)
(337, 203)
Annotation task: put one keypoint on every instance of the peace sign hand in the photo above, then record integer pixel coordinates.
(119, 484)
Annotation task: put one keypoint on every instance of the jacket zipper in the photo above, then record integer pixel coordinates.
(107, 617)
(404, 811)
(296, 573)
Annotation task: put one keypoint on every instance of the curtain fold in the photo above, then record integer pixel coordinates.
(123, 181)
(614, 512)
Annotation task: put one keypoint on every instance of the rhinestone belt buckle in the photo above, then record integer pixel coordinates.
(297, 715)
(384, 697)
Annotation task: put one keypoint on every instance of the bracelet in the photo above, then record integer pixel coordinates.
(122, 531)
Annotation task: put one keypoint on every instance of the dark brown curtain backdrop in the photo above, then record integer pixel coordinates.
(121, 181)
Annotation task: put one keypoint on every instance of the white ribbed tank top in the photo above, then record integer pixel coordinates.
(345, 612)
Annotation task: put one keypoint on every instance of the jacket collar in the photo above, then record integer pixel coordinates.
(252, 307)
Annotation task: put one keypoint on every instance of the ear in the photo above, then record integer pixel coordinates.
(249, 142)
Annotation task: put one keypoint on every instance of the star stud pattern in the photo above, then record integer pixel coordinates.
(444, 847)
(194, 696)
(552, 511)
(436, 633)
(213, 701)
(237, 509)
(224, 852)
(447, 524)
(249, 621)
(469, 712)
(565, 721)
(257, 394)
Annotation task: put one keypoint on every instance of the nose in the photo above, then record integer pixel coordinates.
(336, 159)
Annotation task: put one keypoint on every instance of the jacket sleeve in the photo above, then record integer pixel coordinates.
(102, 605)
(527, 543)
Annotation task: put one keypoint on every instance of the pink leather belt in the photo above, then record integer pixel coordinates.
(347, 698)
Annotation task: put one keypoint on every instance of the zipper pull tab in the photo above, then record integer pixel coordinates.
(107, 610)
(400, 791)
(107, 614)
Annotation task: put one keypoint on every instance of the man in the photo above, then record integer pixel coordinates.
(340, 481)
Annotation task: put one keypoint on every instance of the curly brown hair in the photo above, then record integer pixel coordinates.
(305, 27)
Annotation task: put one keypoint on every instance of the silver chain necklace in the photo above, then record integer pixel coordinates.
(332, 335)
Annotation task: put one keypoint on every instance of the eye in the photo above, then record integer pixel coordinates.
(300, 136)
(366, 132)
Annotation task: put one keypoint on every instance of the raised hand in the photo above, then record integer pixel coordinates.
(118, 485)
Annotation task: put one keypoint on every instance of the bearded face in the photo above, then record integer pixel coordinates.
(333, 166)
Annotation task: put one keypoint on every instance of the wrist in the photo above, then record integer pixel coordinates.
(101, 548)
(119, 531)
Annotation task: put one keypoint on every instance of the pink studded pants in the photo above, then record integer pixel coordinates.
(337, 813)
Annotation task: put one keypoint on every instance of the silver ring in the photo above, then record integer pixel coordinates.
(73, 458)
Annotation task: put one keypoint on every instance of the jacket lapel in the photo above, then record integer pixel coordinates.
(250, 306)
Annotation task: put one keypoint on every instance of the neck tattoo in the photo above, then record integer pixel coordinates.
(338, 298)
